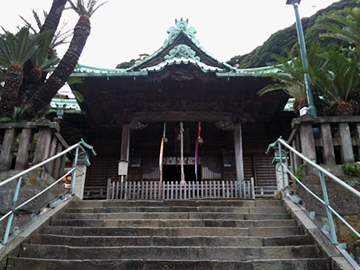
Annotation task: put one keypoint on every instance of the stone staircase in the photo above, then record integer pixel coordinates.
(187, 234)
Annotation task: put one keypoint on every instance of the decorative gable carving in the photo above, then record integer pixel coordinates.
(181, 26)
(182, 51)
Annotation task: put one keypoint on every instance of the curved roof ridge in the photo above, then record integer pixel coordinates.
(174, 32)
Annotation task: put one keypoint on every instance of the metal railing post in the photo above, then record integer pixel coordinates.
(327, 204)
(281, 165)
(11, 217)
(73, 177)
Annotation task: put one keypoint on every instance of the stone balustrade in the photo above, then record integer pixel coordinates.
(26, 144)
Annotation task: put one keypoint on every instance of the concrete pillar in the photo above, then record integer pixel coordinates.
(125, 150)
(238, 152)
(279, 182)
(80, 180)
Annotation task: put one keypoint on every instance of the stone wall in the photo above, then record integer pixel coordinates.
(32, 183)
(342, 200)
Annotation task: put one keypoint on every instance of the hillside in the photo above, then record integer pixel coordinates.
(287, 38)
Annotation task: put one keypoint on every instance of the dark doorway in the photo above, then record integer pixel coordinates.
(173, 173)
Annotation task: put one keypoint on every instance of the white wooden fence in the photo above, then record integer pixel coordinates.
(153, 190)
(265, 191)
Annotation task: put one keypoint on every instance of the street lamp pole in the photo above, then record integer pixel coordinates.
(300, 32)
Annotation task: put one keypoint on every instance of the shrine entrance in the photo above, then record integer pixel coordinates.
(173, 173)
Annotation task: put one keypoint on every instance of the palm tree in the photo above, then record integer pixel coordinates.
(338, 80)
(15, 51)
(58, 78)
(342, 26)
(60, 36)
(290, 75)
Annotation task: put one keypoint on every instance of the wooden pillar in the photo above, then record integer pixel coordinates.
(238, 152)
(328, 146)
(6, 149)
(125, 149)
(346, 149)
(22, 160)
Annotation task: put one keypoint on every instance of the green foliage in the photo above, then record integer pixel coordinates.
(18, 48)
(285, 39)
(125, 65)
(132, 62)
(78, 96)
(291, 75)
(342, 26)
(41, 58)
(83, 9)
(351, 169)
(338, 76)
(14, 118)
(72, 80)
(298, 173)
(60, 37)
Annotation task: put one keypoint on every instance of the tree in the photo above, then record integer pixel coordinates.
(290, 75)
(132, 62)
(285, 39)
(345, 27)
(27, 85)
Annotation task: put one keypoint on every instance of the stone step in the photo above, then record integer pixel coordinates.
(192, 203)
(173, 231)
(243, 241)
(171, 223)
(175, 215)
(222, 209)
(78, 264)
(170, 252)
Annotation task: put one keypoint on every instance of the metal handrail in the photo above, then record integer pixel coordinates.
(280, 142)
(19, 176)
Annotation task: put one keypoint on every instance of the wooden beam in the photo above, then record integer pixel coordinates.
(186, 116)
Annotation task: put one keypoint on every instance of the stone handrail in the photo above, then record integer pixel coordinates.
(27, 144)
(328, 140)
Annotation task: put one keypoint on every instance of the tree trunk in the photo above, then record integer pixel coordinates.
(61, 74)
(53, 18)
(13, 80)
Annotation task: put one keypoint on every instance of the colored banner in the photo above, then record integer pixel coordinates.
(161, 156)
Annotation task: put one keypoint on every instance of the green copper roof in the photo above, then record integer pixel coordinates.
(179, 54)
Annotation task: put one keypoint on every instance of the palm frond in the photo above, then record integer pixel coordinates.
(344, 27)
(28, 24)
(83, 9)
(18, 48)
(37, 19)
(40, 58)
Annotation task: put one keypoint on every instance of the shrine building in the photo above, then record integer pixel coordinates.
(180, 92)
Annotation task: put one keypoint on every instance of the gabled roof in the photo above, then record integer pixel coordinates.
(180, 48)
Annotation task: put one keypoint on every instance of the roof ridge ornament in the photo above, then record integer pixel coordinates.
(182, 51)
(181, 26)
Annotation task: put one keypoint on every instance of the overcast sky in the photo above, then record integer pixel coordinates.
(123, 29)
